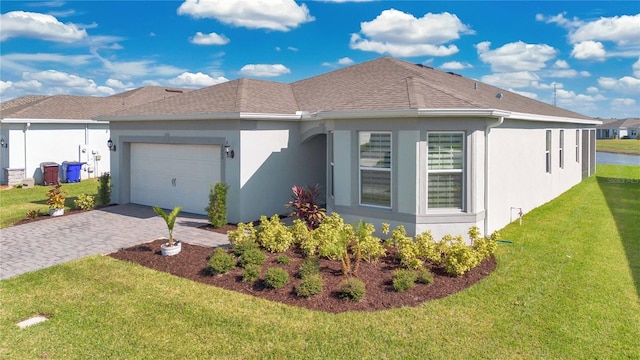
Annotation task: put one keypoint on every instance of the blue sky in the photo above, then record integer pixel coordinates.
(588, 51)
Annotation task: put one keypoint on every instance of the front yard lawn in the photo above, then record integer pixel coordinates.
(15, 202)
(567, 288)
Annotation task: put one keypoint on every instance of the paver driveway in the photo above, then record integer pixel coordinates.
(41, 244)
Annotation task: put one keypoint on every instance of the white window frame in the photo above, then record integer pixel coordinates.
(547, 152)
(449, 171)
(561, 149)
(381, 169)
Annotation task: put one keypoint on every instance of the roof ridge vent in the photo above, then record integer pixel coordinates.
(452, 73)
(499, 95)
(424, 66)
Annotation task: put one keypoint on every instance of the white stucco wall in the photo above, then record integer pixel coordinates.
(269, 159)
(517, 169)
(29, 146)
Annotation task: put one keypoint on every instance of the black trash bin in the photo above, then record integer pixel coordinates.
(49, 173)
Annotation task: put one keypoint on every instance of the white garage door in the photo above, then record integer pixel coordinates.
(169, 175)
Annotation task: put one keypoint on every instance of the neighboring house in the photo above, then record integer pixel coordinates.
(390, 141)
(619, 129)
(55, 129)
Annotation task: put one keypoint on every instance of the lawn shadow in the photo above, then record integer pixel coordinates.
(623, 200)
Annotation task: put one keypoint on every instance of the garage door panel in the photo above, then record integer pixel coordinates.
(169, 175)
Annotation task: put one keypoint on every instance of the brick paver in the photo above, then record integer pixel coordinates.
(41, 244)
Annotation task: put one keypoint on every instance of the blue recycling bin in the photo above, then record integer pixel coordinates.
(73, 171)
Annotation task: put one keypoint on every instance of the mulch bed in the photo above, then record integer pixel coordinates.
(191, 263)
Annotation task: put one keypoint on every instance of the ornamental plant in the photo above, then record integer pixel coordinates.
(273, 235)
(56, 197)
(243, 233)
(217, 209)
(309, 286)
(276, 278)
(104, 189)
(221, 262)
(305, 205)
(404, 279)
(169, 219)
(85, 202)
(352, 289)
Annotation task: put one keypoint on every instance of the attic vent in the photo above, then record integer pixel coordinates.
(499, 96)
(424, 66)
(173, 91)
(452, 73)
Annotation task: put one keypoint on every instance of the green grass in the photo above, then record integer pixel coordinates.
(568, 288)
(626, 146)
(14, 203)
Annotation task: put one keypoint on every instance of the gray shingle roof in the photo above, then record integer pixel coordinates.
(81, 107)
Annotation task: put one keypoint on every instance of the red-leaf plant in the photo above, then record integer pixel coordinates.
(305, 205)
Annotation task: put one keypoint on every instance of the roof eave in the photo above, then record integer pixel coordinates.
(205, 116)
(52, 121)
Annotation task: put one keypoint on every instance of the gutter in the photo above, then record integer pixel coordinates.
(487, 130)
(299, 115)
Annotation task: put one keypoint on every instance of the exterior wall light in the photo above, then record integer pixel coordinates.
(111, 145)
(3, 143)
(229, 151)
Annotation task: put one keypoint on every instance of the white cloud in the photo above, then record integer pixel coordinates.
(21, 62)
(455, 65)
(401, 34)
(278, 15)
(345, 61)
(592, 90)
(636, 68)
(39, 26)
(518, 79)
(589, 50)
(561, 64)
(209, 39)
(114, 83)
(516, 56)
(623, 102)
(626, 84)
(4, 85)
(528, 94)
(291, 48)
(199, 79)
(264, 70)
(57, 82)
(560, 20)
(622, 30)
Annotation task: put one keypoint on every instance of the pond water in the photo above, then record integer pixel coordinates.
(617, 159)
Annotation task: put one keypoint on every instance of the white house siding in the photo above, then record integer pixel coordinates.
(268, 160)
(31, 144)
(517, 168)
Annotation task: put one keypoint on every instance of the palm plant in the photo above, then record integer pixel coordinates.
(169, 219)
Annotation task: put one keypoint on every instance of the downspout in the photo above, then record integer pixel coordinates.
(486, 170)
(26, 127)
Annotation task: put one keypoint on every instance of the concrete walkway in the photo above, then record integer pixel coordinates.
(45, 243)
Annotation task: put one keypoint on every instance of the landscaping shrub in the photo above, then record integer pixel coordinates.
(352, 289)
(104, 189)
(85, 202)
(32, 214)
(334, 237)
(283, 259)
(243, 233)
(366, 245)
(309, 286)
(251, 273)
(305, 205)
(486, 246)
(276, 278)
(404, 279)
(253, 256)
(217, 209)
(427, 248)
(408, 250)
(424, 276)
(303, 237)
(273, 235)
(221, 262)
(309, 266)
(240, 248)
(459, 257)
